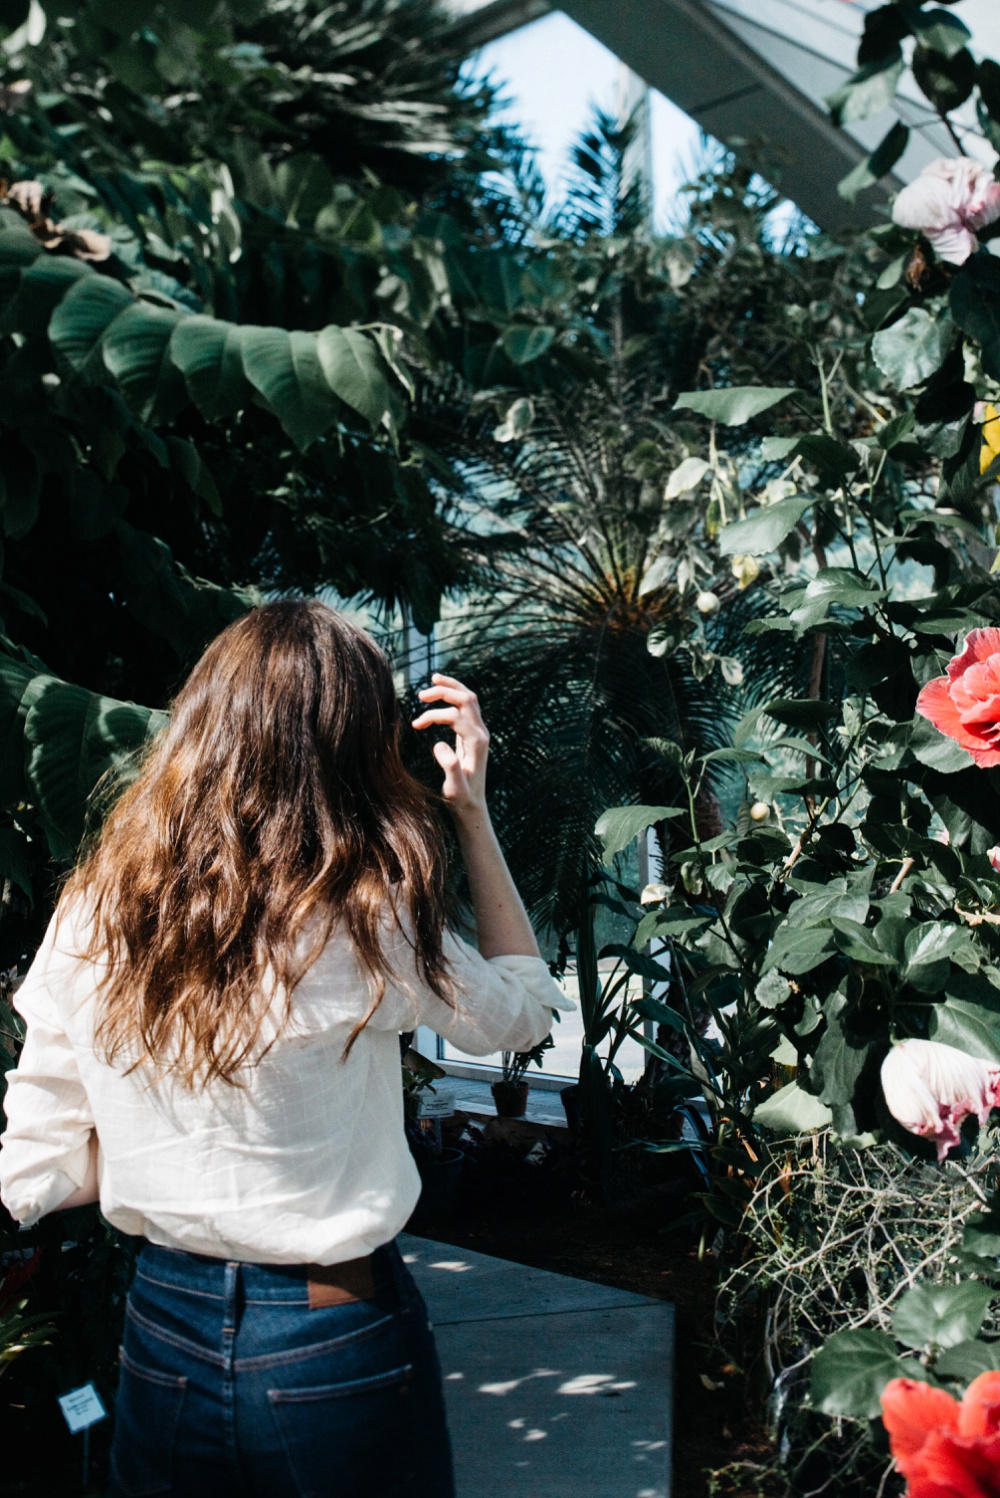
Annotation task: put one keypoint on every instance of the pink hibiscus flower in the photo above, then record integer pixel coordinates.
(965, 704)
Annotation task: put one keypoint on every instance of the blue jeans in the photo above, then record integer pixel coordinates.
(232, 1387)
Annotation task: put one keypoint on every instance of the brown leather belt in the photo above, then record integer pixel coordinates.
(339, 1284)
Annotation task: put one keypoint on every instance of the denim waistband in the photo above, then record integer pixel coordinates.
(208, 1278)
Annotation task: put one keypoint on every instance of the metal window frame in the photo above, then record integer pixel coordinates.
(432, 1046)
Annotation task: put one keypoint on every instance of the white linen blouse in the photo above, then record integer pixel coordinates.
(305, 1163)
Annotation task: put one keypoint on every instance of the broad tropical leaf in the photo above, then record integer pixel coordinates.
(163, 358)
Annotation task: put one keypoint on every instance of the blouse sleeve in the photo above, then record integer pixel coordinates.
(44, 1150)
(501, 1003)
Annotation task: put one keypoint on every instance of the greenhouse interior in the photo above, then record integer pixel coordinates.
(500, 748)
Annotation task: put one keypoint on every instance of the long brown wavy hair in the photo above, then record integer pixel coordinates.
(274, 806)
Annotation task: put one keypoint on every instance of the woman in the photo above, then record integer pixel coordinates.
(212, 1050)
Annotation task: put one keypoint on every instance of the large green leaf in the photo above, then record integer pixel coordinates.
(975, 306)
(208, 355)
(677, 921)
(355, 371)
(929, 949)
(868, 91)
(941, 31)
(42, 287)
(136, 353)
(964, 1361)
(871, 169)
(73, 738)
(791, 1111)
(18, 249)
(735, 405)
(936, 750)
(850, 1371)
(840, 586)
(800, 712)
(913, 348)
(967, 1025)
(851, 905)
(796, 951)
(162, 357)
(524, 343)
(947, 80)
(858, 942)
(941, 1315)
(981, 1238)
(20, 684)
(163, 596)
(764, 529)
(79, 323)
(622, 825)
(842, 1056)
(286, 369)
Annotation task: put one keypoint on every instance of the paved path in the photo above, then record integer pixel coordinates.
(556, 1387)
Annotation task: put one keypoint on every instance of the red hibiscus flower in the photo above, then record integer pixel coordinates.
(945, 1449)
(965, 704)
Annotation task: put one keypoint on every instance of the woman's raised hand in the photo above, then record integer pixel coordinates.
(464, 765)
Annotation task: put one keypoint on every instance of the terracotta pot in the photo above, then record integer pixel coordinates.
(511, 1098)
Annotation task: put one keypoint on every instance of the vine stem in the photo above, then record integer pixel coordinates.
(952, 132)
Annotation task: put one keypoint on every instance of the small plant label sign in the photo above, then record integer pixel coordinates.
(82, 1408)
(437, 1105)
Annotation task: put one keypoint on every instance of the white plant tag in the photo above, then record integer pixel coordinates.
(436, 1105)
(82, 1408)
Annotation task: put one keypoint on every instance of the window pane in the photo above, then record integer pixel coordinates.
(563, 1060)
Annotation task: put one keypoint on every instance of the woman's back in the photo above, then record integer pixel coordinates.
(304, 1160)
(212, 1050)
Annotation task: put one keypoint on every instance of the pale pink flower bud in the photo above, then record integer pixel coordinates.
(930, 1088)
(949, 202)
(994, 857)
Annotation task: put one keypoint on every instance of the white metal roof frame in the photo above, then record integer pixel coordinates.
(758, 71)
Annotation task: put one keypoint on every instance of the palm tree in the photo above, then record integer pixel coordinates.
(585, 644)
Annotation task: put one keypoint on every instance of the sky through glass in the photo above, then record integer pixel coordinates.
(554, 72)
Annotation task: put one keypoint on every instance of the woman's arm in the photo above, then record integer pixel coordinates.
(90, 1191)
(48, 1150)
(502, 924)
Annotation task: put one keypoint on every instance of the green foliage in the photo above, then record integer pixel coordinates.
(913, 348)
(766, 530)
(790, 1110)
(161, 358)
(878, 164)
(212, 312)
(733, 407)
(851, 1370)
(931, 1317)
(617, 829)
(846, 1278)
(850, 903)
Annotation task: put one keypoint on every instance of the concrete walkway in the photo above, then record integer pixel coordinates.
(556, 1387)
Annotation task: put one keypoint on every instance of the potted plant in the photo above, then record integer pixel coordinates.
(510, 1094)
(440, 1166)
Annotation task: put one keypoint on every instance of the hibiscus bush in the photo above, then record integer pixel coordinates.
(842, 933)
